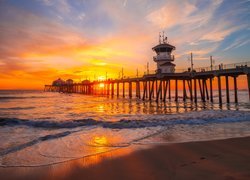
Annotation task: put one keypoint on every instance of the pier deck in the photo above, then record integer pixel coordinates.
(158, 86)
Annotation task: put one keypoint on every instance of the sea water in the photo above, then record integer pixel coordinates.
(42, 128)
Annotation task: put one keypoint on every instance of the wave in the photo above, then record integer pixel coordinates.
(18, 108)
(192, 118)
(35, 141)
(47, 124)
(20, 97)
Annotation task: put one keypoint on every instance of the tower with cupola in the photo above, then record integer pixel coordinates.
(164, 57)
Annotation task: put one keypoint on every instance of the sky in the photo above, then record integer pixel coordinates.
(42, 40)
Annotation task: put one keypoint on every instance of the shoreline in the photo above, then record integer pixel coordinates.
(215, 159)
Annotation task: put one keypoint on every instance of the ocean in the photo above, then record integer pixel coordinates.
(43, 128)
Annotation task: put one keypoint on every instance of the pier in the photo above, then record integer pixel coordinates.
(197, 84)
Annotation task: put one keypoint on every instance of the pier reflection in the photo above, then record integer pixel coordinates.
(116, 108)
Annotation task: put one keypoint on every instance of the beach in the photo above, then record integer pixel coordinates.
(217, 159)
(85, 137)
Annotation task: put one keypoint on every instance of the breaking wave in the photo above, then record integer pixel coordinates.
(33, 142)
(204, 117)
(18, 108)
(19, 97)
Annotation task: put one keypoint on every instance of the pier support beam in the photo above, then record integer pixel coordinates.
(211, 89)
(117, 89)
(227, 89)
(123, 89)
(176, 90)
(235, 89)
(190, 85)
(162, 85)
(195, 91)
(108, 88)
(248, 80)
(112, 89)
(219, 89)
(206, 89)
(169, 89)
(165, 90)
(130, 90)
(155, 90)
(144, 90)
(184, 90)
(158, 93)
(147, 88)
(151, 90)
(201, 91)
(139, 90)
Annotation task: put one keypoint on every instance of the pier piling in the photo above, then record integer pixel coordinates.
(248, 80)
(227, 89)
(195, 91)
(235, 89)
(219, 89)
(211, 89)
(176, 90)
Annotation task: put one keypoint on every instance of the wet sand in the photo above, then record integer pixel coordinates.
(221, 159)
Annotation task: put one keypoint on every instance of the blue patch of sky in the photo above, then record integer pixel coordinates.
(86, 16)
(234, 11)
(237, 14)
(96, 21)
(232, 50)
(34, 7)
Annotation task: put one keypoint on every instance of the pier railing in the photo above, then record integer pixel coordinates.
(215, 68)
(200, 69)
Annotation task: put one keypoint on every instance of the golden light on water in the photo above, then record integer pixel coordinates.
(100, 108)
(100, 140)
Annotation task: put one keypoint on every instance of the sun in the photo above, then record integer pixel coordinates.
(101, 78)
(101, 85)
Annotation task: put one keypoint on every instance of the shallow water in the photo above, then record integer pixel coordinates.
(40, 128)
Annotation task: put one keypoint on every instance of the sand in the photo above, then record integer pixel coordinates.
(220, 159)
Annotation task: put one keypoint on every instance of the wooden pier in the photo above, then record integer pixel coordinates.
(197, 85)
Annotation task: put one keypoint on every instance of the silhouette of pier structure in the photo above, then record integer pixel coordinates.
(197, 84)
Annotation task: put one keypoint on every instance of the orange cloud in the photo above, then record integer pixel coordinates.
(36, 49)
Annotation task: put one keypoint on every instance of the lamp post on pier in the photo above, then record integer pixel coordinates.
(192, 64)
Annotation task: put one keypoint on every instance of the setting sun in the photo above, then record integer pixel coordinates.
(101, 85)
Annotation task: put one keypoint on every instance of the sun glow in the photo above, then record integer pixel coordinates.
(101, 78)
(101, 85)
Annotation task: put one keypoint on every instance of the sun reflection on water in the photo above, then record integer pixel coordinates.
(100, 141)
(100, 108)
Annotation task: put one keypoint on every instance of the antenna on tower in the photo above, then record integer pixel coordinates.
(163, 38)
(147, 67)
(159, 37)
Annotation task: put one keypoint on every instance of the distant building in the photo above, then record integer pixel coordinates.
(58, 82)
(69, 82)
(85, 81)
(163, 56)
